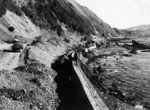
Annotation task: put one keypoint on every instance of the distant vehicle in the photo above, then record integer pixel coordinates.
(17, 47)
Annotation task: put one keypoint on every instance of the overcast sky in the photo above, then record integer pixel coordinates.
(120, 13)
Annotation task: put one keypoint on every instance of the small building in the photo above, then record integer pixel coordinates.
(90, 45)
(93, 46)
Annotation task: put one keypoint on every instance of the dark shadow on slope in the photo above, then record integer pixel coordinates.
(9, 5)
(10, 51)
(69, 89)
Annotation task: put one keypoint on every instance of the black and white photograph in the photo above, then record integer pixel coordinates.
(74, 54)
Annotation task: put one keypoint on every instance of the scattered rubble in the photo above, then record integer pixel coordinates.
(36, 90)
(121, 77)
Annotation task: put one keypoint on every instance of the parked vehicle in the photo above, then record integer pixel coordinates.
(17, 47)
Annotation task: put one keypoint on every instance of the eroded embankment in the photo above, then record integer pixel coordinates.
(69, 88)
(29, 85)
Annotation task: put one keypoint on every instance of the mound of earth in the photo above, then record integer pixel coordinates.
(28, 87)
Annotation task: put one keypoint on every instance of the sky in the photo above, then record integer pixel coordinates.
(120, 13)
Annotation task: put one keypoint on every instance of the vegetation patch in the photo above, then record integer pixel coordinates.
(11, 6)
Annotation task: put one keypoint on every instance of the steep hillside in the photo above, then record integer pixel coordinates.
(140, 28)
(12, 17)
(50, 15)
(74, 16)
(144, 30)
(99, 25)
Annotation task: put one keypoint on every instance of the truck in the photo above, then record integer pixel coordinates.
(17, 47)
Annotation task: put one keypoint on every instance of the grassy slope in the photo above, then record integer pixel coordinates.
(99, 25)
(143, 30)
(69, 12)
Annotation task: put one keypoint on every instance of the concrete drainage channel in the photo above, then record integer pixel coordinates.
(69, 88)
(96, 102)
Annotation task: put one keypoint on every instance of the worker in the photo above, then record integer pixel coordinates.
(74, 57)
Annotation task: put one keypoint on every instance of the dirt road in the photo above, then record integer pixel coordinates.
(9, 61)
(5, 46)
